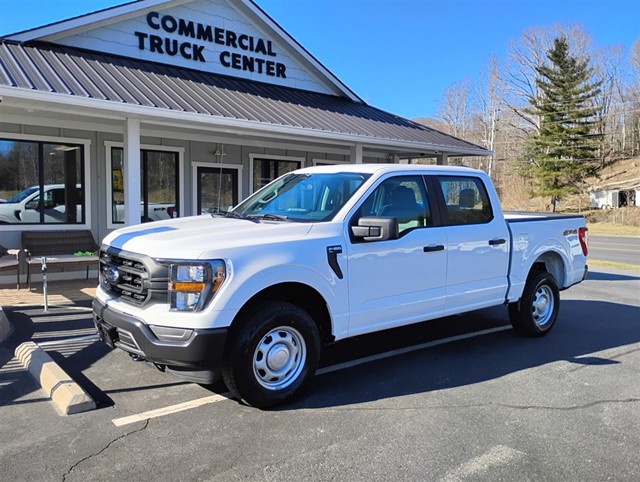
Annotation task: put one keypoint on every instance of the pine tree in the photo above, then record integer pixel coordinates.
(562, 152)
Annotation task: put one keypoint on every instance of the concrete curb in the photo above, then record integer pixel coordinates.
(5, 327)
(66, 395)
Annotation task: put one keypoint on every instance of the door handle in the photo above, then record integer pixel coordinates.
(495, 242)
(430, 249)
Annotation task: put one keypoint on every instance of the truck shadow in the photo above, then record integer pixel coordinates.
(583, 329)
(603, 276)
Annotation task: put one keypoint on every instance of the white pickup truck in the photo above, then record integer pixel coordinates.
(322, 254)
(25, 207)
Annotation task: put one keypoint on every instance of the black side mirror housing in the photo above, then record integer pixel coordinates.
(375, 229)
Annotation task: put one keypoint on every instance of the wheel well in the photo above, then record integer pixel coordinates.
(300, 295)
(553, 264)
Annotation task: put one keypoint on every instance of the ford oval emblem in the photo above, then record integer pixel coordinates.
(112, 274)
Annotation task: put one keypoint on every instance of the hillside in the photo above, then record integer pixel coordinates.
(620, 174)
(514, 194)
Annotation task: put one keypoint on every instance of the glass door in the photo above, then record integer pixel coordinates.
(217, 189)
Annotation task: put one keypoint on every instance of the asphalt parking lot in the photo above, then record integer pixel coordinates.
(462, 398)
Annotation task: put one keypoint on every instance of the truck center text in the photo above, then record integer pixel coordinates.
(207, 33)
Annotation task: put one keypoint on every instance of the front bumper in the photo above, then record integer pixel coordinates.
(202, 351)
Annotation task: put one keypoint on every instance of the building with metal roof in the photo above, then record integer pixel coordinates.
(155, 109)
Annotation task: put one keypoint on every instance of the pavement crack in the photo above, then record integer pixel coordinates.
(73, 467)
(566, 409)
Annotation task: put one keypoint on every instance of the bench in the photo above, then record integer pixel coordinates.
(60, 249)
(10, 261)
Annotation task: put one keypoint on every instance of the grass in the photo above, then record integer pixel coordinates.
(611, 264)
(610, 229)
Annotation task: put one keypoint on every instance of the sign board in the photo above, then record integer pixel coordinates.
(210, 36)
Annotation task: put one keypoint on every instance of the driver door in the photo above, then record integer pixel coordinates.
(399, 281)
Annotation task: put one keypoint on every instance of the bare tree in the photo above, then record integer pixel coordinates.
(632, 100)
(455, 109)
(608, 64)
(486, 104)
(635, 55)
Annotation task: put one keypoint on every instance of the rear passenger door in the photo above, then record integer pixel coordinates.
(477, 245)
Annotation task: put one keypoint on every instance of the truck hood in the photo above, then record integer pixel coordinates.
(193, 237)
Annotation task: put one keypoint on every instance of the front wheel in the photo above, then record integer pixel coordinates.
(271, 354)
(536, 312)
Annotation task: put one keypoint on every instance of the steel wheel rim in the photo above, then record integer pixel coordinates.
(542, 306)
(279, 358)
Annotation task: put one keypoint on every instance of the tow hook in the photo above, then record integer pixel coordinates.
(135, 357)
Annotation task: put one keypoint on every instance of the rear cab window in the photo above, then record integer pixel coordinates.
(465, 200)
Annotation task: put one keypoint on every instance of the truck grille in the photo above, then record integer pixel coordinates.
(131, 279)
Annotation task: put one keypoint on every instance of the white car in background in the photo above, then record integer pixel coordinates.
(24, 207)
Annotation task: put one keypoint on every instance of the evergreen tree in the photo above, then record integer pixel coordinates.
(561, 154)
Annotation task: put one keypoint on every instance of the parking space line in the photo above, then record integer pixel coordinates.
(161, 412)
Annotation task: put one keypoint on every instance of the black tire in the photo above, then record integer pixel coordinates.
(536, 312)
(271, 354)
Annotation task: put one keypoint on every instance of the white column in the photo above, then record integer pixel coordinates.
(442, 159)
(356, 154)
(131, 172)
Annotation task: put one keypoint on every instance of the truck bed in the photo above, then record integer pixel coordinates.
(522, 216)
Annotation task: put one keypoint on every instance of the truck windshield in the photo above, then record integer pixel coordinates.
(302, 197)
(22, 195)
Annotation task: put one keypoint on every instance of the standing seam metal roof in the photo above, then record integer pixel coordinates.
(63, 70)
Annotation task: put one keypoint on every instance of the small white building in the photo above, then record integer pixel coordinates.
(615, 195)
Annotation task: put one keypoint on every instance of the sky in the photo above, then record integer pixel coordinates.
(397, 55)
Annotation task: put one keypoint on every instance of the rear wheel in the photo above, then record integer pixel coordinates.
(536, 312)
(271, 354)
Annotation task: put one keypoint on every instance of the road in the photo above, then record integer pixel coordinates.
(459, 399)
(615, 249)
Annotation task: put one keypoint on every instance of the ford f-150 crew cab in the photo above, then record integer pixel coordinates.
(253, 294)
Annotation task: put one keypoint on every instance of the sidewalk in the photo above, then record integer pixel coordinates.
(60, 293)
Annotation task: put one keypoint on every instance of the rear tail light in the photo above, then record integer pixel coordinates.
(583, 236)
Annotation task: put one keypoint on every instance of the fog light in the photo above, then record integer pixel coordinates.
(165, 333)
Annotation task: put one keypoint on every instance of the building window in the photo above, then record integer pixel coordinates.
(158, 185)
(41, 183)
(266, 170)
(217, 189)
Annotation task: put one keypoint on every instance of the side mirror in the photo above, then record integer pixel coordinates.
(32, 205)
(376, 229)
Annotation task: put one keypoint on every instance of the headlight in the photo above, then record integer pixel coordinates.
(192, 285)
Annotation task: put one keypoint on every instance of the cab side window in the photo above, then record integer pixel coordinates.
(404, 198)
(466, 200)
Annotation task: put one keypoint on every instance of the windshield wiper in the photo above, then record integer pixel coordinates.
(268, 217)
(233, 214)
